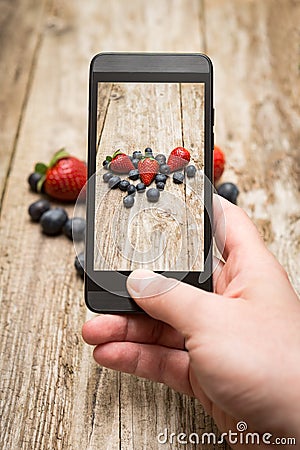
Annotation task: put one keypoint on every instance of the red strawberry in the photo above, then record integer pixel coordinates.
(219, 163)
(64, 178)
(148, 168)
(179, 157)
(120, 162)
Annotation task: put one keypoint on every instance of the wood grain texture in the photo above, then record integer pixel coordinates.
(257, 92)
(53, 396)
(153, 236)
(20, 21)
(52, 393)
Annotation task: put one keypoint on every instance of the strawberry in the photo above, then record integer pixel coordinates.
(179, 157)
(219, 163)
(120, 162)
(148, 168)
(63, 178)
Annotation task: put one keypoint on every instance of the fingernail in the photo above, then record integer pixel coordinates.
(145, 283)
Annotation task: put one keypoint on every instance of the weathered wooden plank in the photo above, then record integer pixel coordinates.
(258, 114)
(192, 101)
(45, 368)
(53, 394)
(20, 21)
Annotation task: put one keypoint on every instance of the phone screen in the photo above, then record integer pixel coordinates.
(159, 127)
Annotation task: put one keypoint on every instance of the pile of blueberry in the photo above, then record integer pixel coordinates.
(55, 221)
(153, 193)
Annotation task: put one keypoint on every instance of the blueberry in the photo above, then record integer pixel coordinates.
(107, 176)
(53, 220)
(190, 171)
(148, 151)
(128, 201)
(134, 174)
(106, 164)
(161, 178)
(160, 186)
(178, 177)
(123, 185)
(33, 180)
(114, 182)
(135, 162)
(37, 209)
(137, 154)
(153, 195)
(131, 190)
(140, 187)
(228, 191)
(161, 159)
(79, 264)
(165, 169)
(74, 229)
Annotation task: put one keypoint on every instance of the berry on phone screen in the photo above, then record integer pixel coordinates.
(161, 159)
(106, 176)
(123, 185)
(190, 171)
(131, 190)
(153, 195)
(134, 174)
(140, 187)
(160, 185)
(165, 169)
(137, 154)
(114, 181)
(160, 177)
(178, 177)
(135, 162)
(179, 158)
(128, 201)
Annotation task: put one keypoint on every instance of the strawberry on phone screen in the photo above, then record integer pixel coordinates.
(178, 159)
(119, 162)
(148, 168)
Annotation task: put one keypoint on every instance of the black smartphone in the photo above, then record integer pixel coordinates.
(149, 192)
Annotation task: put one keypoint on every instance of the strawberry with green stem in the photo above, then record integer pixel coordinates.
(119, 162)
(178, 159)
(63, 178)
(148, 168)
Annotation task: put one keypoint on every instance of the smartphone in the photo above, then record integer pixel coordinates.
(149, 204)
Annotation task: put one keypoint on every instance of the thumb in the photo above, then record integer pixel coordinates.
(180, 305)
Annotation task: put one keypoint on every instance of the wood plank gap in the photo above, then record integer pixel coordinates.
(184, 183)
(24, 104)
(104, 118)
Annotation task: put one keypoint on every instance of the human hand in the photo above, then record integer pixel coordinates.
(237, 350)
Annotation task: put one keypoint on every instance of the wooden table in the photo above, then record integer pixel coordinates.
(53, 396)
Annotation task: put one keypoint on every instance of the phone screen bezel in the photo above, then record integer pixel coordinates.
(152, 68)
